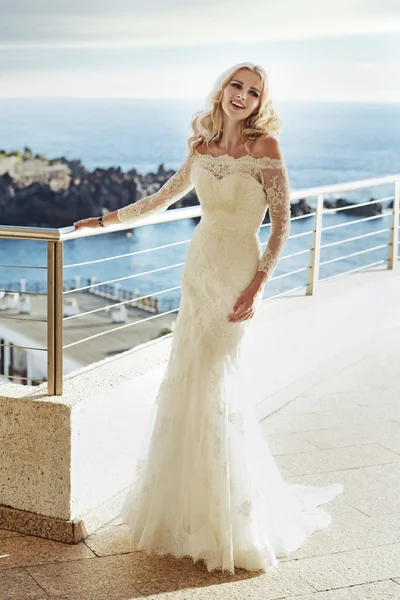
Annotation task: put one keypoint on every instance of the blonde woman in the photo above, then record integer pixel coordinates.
(207, 485)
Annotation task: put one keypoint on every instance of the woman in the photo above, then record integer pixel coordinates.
(207, 485)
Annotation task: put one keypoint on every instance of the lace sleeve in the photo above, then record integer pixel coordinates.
(175, 188)
(277, 188)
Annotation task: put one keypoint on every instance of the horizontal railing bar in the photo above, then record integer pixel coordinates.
(306, 216)
(302, 234)
(332, 260)
(378, 262)
(295, 254)
(22, 267)
(24, 319)
(156, 248)
(43, 234)
(24, 378)
(290, 273)
(195, 211)
(296, 235)
(118, 328)
(358, 204)
(152, 294)
(356, 237)
(324, 190)
(299, 287)
(166, 216)
(291, 219)
(356, 221)
(136, 252)
(86, 287)
(169, 290)
(19, 292)
(90, 262)
(70, 232)
(24, 347)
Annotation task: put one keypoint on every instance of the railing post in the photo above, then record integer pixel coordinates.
(394, 235)
(54, 318)
(313, 273)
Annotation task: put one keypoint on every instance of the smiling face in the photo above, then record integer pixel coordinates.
(244, 89)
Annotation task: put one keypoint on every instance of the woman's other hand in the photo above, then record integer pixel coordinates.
(245, 306)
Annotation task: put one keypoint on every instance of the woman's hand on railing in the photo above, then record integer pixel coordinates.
(110, 218)
(91, 222)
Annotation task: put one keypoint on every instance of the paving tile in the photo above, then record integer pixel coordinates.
(116, 577)
(389, 474)
(348, 397)
(381, 370)
(309, 403)
(376, 413)
(347, 416)
(113, 539)
(113, 522)
(17, 584)
(361, 491)
(382, 590)
(348, 568)
(272, 584)
(389, 526)
(385, 501)
(350, 478)
(292, 423)
(32, 550)
(4, 533)
(352, 435)
(335, 459)
(391, 442)
(350, 530)
(375, 371)
(352, 378)
(369, 397)
(288, 443)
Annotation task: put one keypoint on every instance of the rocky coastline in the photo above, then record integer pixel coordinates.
(38, 192)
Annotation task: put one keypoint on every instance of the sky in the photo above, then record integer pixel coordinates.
(321, 50)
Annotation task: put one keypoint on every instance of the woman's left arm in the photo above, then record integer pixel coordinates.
(276, 185)
(277, 188)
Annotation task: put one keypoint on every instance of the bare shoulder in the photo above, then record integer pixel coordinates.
(267, 146)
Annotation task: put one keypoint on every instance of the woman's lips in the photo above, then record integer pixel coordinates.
(236, 107)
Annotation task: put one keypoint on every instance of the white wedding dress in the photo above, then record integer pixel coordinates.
(207, 485)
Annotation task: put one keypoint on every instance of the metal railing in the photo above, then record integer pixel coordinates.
(55, 239)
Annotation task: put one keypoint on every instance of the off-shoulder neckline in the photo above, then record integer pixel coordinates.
(245, 156)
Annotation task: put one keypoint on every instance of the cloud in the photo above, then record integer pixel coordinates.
(54, 24)
(310, 49)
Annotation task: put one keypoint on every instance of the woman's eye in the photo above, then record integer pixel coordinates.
(238, 85)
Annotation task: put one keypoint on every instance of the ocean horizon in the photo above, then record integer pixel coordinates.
(322, 143)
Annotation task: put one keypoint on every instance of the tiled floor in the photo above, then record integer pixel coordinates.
(345, 429)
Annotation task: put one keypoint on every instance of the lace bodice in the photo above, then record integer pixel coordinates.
(233, 192)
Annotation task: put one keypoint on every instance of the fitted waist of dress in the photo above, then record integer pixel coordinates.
(218, 228)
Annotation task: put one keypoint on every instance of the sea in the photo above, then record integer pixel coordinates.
(323, 143)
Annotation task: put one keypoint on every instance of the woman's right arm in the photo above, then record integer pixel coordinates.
(175, 188)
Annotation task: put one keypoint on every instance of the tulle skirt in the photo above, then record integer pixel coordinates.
(206, 483)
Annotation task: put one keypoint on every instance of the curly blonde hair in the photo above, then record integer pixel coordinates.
(207, 123)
